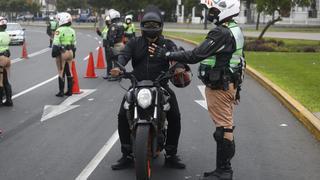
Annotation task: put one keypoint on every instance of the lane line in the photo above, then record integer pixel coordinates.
(32, 55)
(86, 58)
(99, 157)
(34, 87)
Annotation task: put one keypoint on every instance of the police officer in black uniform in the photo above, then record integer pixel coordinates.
(146, 67)
(221, 70)
(115, 37)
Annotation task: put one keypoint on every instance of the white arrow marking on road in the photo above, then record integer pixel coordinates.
(51, 111)
(202, 103)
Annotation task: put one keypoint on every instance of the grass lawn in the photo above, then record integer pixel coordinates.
(296, 73)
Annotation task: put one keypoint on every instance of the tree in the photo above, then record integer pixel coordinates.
(277, 8)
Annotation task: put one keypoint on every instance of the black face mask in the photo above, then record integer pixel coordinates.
(151, 34)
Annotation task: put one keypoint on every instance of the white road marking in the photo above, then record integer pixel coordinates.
(89, 35)
(31, 55)
(283, 125)
(96, 38)
(34, 87)
(100, 42)
(50, 111)
(86, 58)
(99, 157)
(202, 103)
(97, 48)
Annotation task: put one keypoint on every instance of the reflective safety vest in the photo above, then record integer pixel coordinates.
(4, 41)
(237, 60)
(53, 25)
(105, 32)
(130, 29)
(64, 36)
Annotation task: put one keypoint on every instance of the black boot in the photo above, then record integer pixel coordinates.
(225, 152)
(8, 92)
(125, 162)
(1, 95)
(61, 87)
(70, 84)
(50, 43)
(174, 162)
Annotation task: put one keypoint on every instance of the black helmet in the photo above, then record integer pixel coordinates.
(151, 23)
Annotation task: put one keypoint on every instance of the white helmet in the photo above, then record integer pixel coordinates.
(51, 18)
(128, 19)
(3, 21)
(114, 14)
(227, 8)
(63, 18)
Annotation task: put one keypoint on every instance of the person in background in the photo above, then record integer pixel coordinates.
(51, 28)
(64, 51)
(130, 28)
(106, 46)
(5, 63)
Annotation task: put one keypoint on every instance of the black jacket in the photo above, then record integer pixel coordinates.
(144, 66)
(219, 42)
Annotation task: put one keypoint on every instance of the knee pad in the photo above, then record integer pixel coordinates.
(218, 135)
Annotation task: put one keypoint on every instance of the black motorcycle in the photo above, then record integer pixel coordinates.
(147, 103)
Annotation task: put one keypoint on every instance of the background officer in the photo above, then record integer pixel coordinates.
(51, 28)
(130, 28)
(64, 51)
(4, 64)
(115, 37)
(106, 46)
(222, 74)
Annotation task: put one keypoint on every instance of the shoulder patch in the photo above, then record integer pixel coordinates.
(113, 28)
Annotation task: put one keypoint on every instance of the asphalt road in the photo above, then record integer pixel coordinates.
(271, 144)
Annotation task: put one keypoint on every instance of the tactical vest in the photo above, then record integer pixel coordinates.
(4, 41)
(233, 72)
(130, 29)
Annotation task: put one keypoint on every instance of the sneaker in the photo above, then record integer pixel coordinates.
(124, 162)
(173, 162)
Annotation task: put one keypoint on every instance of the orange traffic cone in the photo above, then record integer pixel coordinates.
(90, 68)
(100, 63)
(24, 51)
(75, 87)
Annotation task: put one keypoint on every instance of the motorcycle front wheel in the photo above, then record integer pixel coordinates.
(143, 152)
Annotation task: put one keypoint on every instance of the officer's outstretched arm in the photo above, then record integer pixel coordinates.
(214, 42)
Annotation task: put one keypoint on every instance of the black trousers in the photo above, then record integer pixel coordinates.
(173, 133)
(108, 60)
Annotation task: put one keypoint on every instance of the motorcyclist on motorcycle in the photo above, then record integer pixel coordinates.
(147, 67)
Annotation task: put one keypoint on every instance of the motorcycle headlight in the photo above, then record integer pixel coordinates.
(144, 98)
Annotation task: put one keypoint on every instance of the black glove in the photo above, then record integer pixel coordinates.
(74, 49)
(158, 51)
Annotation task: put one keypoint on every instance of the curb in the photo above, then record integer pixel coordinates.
(310, 121)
